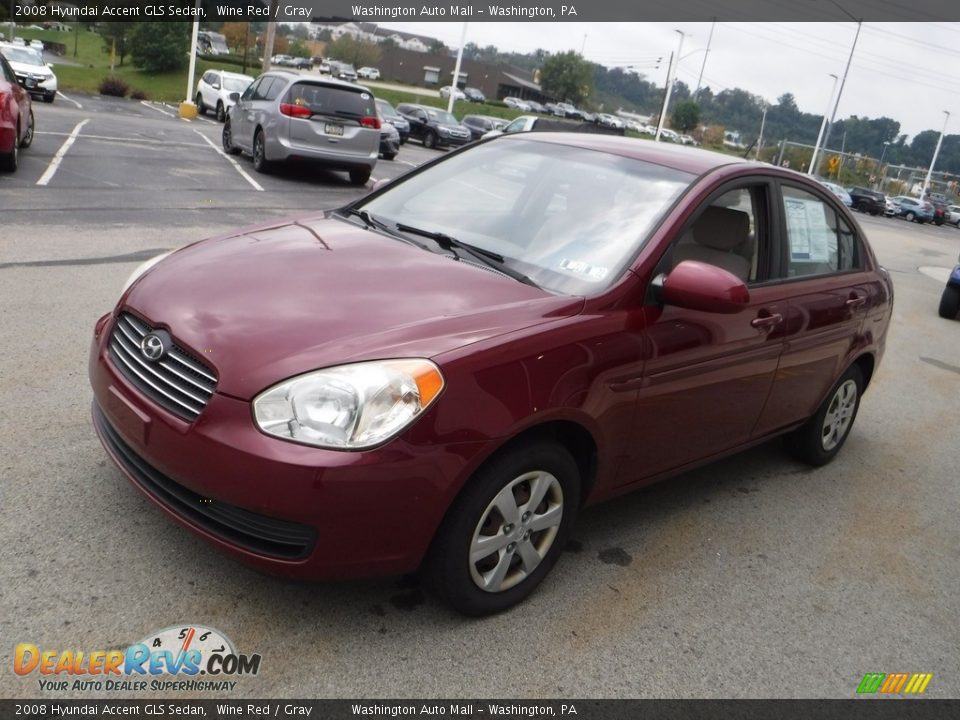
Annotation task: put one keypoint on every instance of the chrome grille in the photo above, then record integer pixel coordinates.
(177, 382)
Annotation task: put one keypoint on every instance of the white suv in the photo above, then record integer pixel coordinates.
(218, 90)
(32, 72)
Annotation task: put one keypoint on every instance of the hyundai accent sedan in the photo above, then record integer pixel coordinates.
(439, 376)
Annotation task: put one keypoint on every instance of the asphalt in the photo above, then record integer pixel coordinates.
(753, 577)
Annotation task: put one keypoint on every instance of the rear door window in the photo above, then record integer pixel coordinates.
(819, 241)
(332, 101)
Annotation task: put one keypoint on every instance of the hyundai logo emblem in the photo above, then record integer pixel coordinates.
(152, 347)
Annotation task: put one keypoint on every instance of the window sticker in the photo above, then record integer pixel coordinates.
(595, 273)
(807, 229)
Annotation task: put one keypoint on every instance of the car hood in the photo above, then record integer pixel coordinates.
(278, 301)
(31, 69)
(455, 128)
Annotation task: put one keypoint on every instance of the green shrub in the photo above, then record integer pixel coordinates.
(114, 87)
(138, 95)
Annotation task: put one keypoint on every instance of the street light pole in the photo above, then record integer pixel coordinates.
(833, 115)
(670, 75)
(811, 171)
(763, 122)
(456, 71)
(926, 182)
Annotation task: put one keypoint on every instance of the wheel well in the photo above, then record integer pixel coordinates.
(866, 363)
(572, 436)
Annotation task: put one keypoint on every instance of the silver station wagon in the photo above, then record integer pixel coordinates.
(287, 116)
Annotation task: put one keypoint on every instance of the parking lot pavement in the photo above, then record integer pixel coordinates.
(754, 576)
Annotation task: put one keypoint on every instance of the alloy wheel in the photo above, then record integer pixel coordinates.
(516, 531)
(839, 415)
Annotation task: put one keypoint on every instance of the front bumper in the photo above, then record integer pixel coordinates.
(39, 86)
(285, 508)
(454, 141)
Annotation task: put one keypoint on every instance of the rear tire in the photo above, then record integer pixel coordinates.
(950, 302)
(389, 156)
(360, 177)
(11, 160)
(28, 137)
(260, 162)
(819, 440)
(506, 530)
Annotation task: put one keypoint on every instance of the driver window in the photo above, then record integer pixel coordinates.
(251, 89)
(724, 233)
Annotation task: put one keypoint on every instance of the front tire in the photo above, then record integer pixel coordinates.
(506, 530)
(910, 217)
(260, 163)
(49, 97)
(819, 440)
(430, 140)
(221, 113)
(950, 302)
(201, 108)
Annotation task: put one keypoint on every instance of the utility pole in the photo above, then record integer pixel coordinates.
(926, 182)
(763, 122)
(833, 115)
(814, 161)
(671, 74)
(696, 93)
(268, 40)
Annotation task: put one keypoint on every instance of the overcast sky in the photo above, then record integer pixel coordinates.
(906, 71)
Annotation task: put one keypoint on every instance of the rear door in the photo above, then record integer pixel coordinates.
(831, 290)
(242, 114)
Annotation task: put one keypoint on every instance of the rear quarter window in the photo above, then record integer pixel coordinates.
(330, 100)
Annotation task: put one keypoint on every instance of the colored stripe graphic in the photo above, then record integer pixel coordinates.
(894, 683)
(871, 682)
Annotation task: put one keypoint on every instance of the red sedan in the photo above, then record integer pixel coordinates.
(439, 376)
(16, 118)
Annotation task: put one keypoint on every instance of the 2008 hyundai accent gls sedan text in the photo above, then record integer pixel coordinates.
(440, 375)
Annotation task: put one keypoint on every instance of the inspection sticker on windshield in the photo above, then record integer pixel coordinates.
(594, 272)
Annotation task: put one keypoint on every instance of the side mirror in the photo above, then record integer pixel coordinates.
(700, 286)
(215, 86)
(234, 96)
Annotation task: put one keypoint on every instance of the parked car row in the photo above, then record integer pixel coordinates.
(936, 208)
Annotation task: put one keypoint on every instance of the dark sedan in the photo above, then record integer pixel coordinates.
(440, 375)
(434, 127)
(479, 125)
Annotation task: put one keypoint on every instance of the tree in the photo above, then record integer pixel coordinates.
(236, 34)
(117, 35)
(356, 52)
(281, 45)
(437, 47)
(567, 76)
(686, 116)
(160, 46)
(298, 48)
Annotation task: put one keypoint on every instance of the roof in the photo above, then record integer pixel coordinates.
(678, 157)
(521, 82)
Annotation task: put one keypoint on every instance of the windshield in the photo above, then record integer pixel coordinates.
(233, 84)
(20, 55)
(570, 219)
(442, 117)
(386, 108)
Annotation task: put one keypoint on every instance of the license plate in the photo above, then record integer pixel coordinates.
(331, 129)
(30, 83)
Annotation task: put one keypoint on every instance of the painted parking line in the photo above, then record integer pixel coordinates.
(58, 158)
(150, 105)
(232, 161)
(125, 140)
(70, 100)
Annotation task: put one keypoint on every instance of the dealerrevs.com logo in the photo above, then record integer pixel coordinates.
(179, 657)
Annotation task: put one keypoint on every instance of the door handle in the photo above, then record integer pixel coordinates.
(856, 301)
(767, 321)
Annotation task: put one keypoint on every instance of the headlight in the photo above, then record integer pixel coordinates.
(142, 268)
(351, 406)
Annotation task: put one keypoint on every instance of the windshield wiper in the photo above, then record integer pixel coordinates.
(373, 222)
(487, 257)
